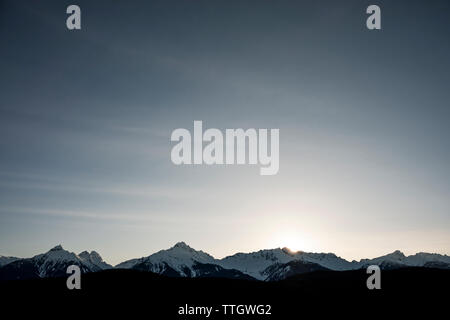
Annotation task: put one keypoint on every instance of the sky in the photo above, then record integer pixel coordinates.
(86, 118)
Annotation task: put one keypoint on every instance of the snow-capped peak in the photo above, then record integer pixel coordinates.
(180, 257)
(181, 253)
(181, 245)
(327, 260)
(57, 253)
(182, 260)
(255, 263)
(395, 258)
(57, 248)
(95, 259)
(56, 261)
(397, 254)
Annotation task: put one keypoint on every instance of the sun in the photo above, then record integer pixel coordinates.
(293, 242)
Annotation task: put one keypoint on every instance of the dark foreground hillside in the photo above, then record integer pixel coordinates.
(323, 294)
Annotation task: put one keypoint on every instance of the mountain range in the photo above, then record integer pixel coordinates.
(53, 263)
(183, 261)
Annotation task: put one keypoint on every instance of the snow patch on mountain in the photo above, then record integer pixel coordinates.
(398, 259)
(94, 259)
(180, 258)
(53, 263)
(327, 260)
(270, 264)
(255, 263)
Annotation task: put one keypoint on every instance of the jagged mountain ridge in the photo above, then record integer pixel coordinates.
(183, 261)
(53, 263)
(269, 264)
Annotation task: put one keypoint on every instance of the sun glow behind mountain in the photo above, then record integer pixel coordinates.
(363, 159)
(293, 241)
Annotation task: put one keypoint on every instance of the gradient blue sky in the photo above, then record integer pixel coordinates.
(86, 118)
